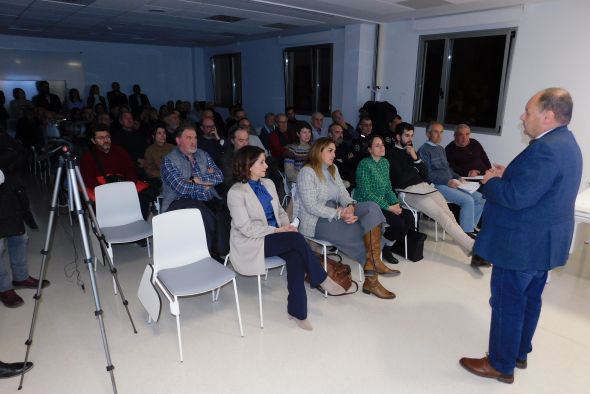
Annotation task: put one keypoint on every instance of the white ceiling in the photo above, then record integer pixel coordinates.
(184, 23)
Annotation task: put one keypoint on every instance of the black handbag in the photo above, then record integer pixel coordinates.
(415, 246)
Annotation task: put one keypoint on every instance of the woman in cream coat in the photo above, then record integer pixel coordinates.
(260, 228)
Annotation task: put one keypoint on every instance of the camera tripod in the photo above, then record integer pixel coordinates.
(75, 186)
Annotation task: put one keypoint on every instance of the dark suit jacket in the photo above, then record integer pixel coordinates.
(528, 219)
(135, 107)
(53, 104)
(116, 98)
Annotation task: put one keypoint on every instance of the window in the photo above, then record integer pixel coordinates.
(462, 78)
(227, 79)
(308, 78)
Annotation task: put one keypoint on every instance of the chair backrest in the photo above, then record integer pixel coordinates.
(117, 204)
(179, 238)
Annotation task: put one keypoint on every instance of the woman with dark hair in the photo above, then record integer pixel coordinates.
(153, 156)
(94, 98)
(373, 184)
(74, 100)
(327, 212)
(296, 154)
(260, 228)
(19, 103)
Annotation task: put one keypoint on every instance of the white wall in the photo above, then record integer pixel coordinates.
(263, 84)
(163, 72)
(550, 50)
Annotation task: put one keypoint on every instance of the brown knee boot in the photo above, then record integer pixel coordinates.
(372, 286)
(372, 241)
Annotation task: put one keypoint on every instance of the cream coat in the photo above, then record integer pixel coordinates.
(249, 226)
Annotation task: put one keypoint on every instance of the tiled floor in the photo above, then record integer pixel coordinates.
(359, 344)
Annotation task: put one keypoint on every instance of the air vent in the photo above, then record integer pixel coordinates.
(224, 18)
(282, 26)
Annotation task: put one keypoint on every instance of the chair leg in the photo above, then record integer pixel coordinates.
(325, 252)
(283, 267)
(238, 307)
(406, 246)
(266, 274)
(436, 231)
(179, 337)
(260, 301)
(148, 246)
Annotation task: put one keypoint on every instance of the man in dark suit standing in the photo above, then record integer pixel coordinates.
(138, 101)
(115, 97)
(46, 99)
(528, 224)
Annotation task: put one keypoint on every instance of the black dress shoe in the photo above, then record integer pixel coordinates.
(478, 261)
(13, 369)
(388, 255)
(29, 283)
(521, 364)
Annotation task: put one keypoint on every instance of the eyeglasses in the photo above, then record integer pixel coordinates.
(102, 138)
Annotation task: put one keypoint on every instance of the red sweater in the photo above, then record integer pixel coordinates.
(117, 161)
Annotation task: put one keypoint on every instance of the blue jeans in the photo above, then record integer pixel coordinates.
(516, 306)
(471, 205)
(17, 252)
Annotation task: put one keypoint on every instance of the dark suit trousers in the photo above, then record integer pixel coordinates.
(516, 306)
(293, 248)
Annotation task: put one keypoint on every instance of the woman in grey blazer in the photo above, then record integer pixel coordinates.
(327, 212)
(260, 228)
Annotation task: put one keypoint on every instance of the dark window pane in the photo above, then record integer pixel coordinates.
(475, 80)
(227, 79)
(434, 55)
(302, 71)
(324, 79)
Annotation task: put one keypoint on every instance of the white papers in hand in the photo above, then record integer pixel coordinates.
(469, 187)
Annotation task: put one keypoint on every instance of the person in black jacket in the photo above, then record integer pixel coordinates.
(13, 237)
(409, 175)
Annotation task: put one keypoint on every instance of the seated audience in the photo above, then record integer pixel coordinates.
(317, 126)
(239, 138)
(19, 103)
(237, 113)
(373, 184)
(244, 123)
(209, 140)
(389, 134)
(94, 98)
(74, 100)
(407, 171)
(267, 129)
(297, 153)
(131, 139)
(194, 115)
(106, 162)
(349, 131)
(361, 144)
(189, 177)
(280, 138)
(327, 212)
(45, 99)
(448, 182)
(171, 121)
(345, 160)
(115, 97)
(466, 156)
(260, 228)
(291, 120)
(153, 157)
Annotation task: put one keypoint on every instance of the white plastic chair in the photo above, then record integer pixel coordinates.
(270, 263)
(182, 264)
(119, 216)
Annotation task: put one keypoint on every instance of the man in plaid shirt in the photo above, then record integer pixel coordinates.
(189, 177)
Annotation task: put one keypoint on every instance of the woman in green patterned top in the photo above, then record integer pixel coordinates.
(373, 184)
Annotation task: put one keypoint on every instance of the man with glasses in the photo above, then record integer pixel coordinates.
(211, 142)
(280, 138)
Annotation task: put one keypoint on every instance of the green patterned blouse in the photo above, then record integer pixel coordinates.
(373, 184)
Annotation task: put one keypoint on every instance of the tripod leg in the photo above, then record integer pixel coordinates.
(89, 259)
(106, 257)
(44, 253)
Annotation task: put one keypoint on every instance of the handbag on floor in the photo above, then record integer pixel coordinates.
(340, 273)
(415, 246)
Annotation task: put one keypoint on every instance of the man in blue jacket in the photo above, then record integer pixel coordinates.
(528, 223)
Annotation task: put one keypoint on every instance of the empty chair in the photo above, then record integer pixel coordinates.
(119, 215)
(182, 264)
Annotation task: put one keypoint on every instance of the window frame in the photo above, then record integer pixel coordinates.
(510, 34)
(289, 100)
(236, 93)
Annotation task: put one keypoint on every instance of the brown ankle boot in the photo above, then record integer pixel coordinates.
(372, 241)
(372, 286)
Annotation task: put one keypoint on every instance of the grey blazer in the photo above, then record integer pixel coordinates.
(311, 198)
(249, 226)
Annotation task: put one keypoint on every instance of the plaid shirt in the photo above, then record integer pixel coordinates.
(373, 184)
(172, 176)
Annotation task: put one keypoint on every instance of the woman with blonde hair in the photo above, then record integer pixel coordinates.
(326, 211)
